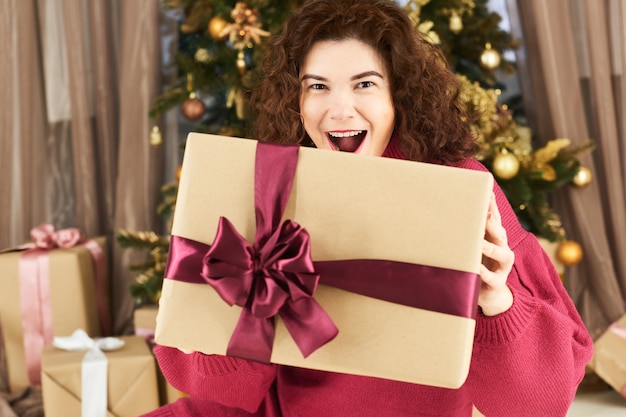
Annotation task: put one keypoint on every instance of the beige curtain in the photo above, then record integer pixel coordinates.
(77, 80)
(137, 195)
(572, 73)
(23, 130)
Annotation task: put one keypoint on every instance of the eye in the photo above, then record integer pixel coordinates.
(365, 84)
(317, 86)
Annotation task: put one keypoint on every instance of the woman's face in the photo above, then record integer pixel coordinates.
(346, 102)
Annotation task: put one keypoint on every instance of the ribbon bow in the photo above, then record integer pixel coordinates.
(94, 369)
(45, 237)
(275, 275)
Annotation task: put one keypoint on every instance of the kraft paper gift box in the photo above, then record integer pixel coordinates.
(397, 245)
(609, 356)
(145, 323)
(72, 301)
(132, 385)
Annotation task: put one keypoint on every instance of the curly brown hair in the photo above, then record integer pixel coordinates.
(431, 124)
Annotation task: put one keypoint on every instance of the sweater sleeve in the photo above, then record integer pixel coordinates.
(228, 381)
(193, 407)
(530, 359)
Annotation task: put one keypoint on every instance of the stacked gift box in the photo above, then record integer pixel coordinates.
(129, 390)
(609, 356)
(144, 318)
(49, 289)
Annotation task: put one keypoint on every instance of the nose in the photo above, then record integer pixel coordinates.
(341, 105)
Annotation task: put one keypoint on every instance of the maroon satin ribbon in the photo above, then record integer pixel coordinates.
(276, 275)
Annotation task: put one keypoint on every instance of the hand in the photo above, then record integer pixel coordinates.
(495, 296)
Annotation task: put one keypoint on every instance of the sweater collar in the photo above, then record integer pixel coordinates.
(393, 149)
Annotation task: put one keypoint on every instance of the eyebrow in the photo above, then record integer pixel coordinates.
(354, 77)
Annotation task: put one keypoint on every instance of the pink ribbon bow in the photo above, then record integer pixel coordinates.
(45, 237)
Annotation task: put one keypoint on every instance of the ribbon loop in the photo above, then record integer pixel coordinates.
(46, 237)
(228, 265)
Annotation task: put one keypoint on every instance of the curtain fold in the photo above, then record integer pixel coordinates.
(78, 34)
(604, 104)
(106, 110)
(7, 121)
(23, 128)
(573, 90)
(55, 71)
(139, 174)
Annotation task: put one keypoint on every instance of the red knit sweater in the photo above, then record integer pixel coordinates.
(526, 362)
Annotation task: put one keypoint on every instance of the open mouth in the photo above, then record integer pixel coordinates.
(347, 141)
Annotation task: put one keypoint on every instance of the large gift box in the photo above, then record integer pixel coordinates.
(609, 356)
(63, 292)
(131, 388)
(325, 260)
(144, 319)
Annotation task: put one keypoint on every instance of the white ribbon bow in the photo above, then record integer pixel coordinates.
(94, 369)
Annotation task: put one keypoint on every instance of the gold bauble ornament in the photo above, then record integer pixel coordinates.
(569, 253)
(241, 62)
(203, 55)
(155, 136)
(490, 58)
(216, 26)
(582, 177)
(456, 23)
(505, 165)
(179, 170)
(193, 108)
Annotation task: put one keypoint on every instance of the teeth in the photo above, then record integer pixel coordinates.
(345, 134)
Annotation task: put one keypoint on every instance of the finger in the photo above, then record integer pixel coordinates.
(493, 207)
(501, 258)
(495, 232)
(488, 277)
(489, 250)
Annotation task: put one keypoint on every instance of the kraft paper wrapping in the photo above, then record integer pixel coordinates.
(609, 356)
(72, 292)
(132, 385)
(144, 320)
(145, 324)
(354, 207)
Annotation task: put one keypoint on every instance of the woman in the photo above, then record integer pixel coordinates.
(355, 76)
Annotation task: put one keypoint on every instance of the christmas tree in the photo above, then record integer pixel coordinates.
(220, 44)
